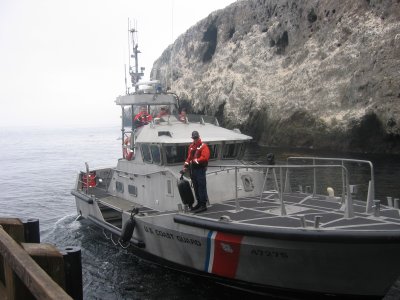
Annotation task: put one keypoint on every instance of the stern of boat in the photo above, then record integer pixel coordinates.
(89, 186)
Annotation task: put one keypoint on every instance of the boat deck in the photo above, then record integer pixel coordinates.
(105, 199)
(267, 212)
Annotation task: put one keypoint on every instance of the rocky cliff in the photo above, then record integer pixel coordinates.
(295, 73)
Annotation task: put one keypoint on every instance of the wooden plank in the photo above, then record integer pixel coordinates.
(2, 279)
(15, 229)
(34, 278)
(3, 292)
(49, 258)
(10, 281)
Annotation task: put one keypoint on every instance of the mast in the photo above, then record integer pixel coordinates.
(135, 78)
(134, 70)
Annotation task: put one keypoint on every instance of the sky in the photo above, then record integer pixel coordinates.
(62, 61)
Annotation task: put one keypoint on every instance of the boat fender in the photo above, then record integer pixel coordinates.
(270, 159)
(185, 191)
(127, 231)
(331, 192)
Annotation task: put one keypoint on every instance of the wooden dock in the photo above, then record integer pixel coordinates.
(34, 270)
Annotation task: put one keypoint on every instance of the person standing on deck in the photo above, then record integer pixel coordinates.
(196, 162)
(142, 118)
(163, 112)
(183, 116)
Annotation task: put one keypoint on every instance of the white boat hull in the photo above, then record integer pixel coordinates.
(301, 263)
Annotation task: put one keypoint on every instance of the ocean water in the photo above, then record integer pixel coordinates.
(39, 167)
(38, 171)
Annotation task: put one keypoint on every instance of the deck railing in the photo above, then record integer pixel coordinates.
(282, 185)
(342, 161)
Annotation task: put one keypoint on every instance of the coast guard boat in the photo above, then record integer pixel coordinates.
(289, 227)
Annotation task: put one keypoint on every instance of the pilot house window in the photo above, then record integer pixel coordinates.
(213, 151)
(231, 151)
(151, 153)
(155, 154)
(146, 153)
(176, 154)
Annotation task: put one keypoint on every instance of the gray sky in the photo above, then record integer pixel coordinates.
(62, 61)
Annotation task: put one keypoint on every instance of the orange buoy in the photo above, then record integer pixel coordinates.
(128, 153)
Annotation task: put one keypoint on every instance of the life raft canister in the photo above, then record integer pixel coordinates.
(128, 153)
(185, 192)
(89, 179)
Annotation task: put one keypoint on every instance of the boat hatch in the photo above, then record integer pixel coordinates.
(167, 133)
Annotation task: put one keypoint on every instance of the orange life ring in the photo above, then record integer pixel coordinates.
(128, 153)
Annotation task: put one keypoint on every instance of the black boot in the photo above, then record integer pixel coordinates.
(201, 208)
(195, 207)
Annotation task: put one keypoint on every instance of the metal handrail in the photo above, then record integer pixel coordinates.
(371, 184)
(219, 171)
(137, 174)
(348, 211)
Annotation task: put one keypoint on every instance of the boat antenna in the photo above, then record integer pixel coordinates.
(126, 82)
(129, 44)
(172, 40)
(134, 70)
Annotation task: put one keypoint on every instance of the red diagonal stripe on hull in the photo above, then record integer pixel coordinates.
(226, 254)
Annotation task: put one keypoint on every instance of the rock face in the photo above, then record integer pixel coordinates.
(295, 73)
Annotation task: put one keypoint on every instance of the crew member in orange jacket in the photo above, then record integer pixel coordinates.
(197, 161)
(142, 118)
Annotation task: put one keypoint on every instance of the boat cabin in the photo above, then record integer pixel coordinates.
(164, 139)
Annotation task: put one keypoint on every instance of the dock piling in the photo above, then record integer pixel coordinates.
(31, 230)
(73, 271)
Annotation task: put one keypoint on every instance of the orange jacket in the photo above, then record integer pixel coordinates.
(198, 154)
(143, 117)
